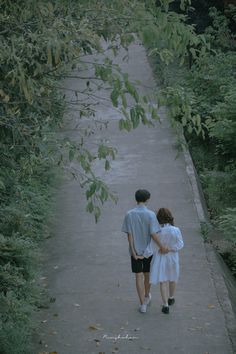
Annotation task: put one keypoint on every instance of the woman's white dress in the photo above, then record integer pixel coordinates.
(165, 267)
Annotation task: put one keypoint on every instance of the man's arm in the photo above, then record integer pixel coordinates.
(132, 249)
(156, 239)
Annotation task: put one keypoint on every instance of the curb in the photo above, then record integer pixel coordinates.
(214, 260)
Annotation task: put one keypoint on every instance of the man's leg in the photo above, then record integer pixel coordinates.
(140, 287)
(147, 285)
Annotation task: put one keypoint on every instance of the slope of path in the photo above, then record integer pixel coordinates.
(87, 266)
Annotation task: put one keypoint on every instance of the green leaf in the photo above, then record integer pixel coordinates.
(155, 116)
(90, 207)
(131, 90)
(71, 154)
(134, 117)
(114, 97)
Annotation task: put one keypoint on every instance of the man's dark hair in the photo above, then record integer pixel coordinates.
(142, 195)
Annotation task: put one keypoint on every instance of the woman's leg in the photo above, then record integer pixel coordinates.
(172, 287)
(164, 288)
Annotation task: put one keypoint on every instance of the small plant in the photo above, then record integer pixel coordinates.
(205, 231)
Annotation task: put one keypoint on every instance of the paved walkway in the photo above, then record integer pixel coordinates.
(87, 267)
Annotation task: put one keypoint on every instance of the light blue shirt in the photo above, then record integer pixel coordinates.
(141, 222)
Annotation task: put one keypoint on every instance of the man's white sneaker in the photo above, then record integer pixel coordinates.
(143, 308)
(147, 300)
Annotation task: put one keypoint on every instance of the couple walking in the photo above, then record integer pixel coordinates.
(154, 243)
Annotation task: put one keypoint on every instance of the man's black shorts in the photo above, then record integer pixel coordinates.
(140, 265)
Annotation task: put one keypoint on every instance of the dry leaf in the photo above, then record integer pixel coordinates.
(77, 305)
(44, 321)
(52, 333)
(210, 306)
(94, 327)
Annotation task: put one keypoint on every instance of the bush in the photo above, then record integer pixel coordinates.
(202, 100)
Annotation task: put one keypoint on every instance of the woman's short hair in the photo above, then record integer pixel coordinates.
(164, 216)
(142, 195)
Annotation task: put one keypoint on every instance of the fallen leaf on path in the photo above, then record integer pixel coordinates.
(210, 306)
(52, 333)
(77, 305)
(56, 267)
(94, 327)
(44, 321)
(137, 329)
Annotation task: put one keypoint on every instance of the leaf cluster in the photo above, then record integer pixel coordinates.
(201, 100)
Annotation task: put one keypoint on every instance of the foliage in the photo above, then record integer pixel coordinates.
(227, 223)
(201, 99)
(42, 43)
(221, 34)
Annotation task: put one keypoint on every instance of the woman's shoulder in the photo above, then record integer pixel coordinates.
(173, 228)
(176, 230)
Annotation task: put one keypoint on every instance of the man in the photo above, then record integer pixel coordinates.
(140, 224)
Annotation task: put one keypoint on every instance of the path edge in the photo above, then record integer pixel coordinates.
(212, 256)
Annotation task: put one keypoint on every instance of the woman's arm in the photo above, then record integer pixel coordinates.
(179, 241)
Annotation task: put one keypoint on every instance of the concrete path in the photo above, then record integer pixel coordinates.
(87, 266)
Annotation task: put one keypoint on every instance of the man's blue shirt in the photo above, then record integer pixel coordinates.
(141, 222)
